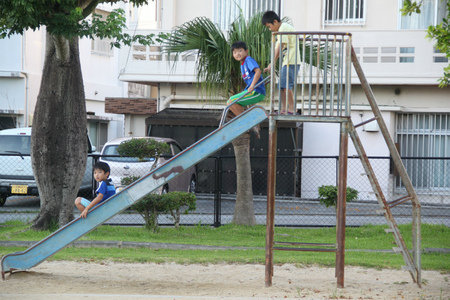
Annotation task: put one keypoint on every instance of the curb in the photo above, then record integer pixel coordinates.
(125, 244)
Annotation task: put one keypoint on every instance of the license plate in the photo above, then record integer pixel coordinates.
(19, 189)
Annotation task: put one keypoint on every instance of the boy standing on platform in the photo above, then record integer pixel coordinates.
(290, 60)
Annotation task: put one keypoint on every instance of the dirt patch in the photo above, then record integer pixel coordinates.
(73, 280)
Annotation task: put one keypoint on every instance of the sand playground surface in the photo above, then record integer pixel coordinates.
(110, 280)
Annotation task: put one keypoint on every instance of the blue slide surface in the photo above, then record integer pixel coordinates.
(98, 215)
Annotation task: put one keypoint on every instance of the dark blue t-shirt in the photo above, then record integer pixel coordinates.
(107, 189)
(248, 73)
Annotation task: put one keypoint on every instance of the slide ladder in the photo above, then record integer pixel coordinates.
(101, 213)
(413, 263)
(326, 98)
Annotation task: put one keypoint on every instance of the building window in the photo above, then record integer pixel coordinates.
(439, 57)
(98, 133)
(344, 12)
(226, 11)
(424, 141)
(7, 122)
(431, 13)
(102, 46)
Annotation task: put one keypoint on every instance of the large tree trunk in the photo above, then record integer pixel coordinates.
(58, 140)
(244, 212)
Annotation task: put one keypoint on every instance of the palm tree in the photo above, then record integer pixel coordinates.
(219, 73)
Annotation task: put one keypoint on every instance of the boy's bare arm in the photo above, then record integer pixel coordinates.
(251, 88)
(92, 204)
(277, 54)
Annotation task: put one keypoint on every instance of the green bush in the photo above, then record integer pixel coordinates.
(152, 205)
(149, 207)
(173, 202)
(328, 195)
(128, 180)
(142, 148)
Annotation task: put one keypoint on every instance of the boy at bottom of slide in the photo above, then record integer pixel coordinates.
(105, 190)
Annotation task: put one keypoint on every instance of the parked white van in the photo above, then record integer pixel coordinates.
(131, 166)
(16, 171)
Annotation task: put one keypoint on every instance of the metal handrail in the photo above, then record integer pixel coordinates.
(225, 110)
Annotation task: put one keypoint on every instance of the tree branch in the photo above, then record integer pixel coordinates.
(89, 8)
(62, 48)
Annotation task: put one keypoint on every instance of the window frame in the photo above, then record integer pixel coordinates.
(102, 46)
(435, 10)
(344, 20)
(427, 137)
(225, 10)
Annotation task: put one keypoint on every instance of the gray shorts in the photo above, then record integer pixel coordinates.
(292, 76)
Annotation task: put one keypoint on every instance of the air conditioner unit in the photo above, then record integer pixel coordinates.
(372, 126)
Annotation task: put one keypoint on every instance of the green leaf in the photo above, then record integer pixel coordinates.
(328, 195)
(142, 148)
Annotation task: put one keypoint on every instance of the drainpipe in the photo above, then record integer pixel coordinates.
(25, 75)
(165, 102)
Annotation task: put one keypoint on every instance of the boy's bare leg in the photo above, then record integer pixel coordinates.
(79, 205)
(283, 101)
(237, 109)
(290, 96)
(256, 130)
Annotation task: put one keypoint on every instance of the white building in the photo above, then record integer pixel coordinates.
(21, 64)
(399, 62)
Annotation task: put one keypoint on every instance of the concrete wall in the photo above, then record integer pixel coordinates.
(21, 63)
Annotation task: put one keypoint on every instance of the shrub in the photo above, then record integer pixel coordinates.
(149, 207)
(129, 180)
(328, 195)
(143, 147)
(173, 202)
(152, 205)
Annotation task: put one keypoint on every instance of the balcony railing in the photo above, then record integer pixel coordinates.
(141, 63)
(387, 57)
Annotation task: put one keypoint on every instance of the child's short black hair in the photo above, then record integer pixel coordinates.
(269, 16)
(238, 45)
(100, 165)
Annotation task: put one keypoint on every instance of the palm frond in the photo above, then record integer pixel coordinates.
(201, 36)
(217, 71)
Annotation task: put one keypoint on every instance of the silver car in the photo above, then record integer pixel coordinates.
(130, 166)
(16, 171)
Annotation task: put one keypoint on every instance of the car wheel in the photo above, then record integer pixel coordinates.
(165, 190)
(193, 185)
(2, 200)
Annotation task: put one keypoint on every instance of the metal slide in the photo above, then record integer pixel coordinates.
(190, 156)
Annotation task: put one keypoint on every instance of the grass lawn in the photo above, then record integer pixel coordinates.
(357, 238)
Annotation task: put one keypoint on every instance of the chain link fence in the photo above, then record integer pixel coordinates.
(297, 181)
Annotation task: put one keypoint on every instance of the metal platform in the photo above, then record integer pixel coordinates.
(325, 73)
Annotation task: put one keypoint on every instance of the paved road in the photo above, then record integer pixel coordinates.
(288, 211)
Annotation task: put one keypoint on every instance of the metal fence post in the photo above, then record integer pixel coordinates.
(95, 159)
(218, 192)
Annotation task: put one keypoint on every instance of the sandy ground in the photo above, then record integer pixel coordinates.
(76, 280)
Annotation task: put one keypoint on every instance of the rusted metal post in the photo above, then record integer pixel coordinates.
(271, 175)
(382, 202)
(271, 180)
(416, 207)
(341, 204)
